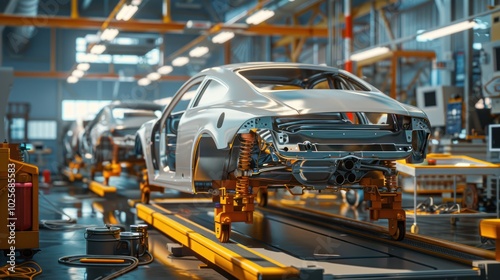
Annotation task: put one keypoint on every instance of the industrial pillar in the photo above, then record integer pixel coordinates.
(347, 35)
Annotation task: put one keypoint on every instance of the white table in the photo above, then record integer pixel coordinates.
(447, 164)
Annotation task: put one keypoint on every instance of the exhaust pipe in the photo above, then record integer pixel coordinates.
(337, 179)
(350, 177)
(347, 164)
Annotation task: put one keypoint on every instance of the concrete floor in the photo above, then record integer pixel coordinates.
(59, 238)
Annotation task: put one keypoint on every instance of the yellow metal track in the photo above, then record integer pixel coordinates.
(236, 259)
(100, 189)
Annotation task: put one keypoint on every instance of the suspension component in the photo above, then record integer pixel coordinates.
(235, 202)
(391, 180)
(385, 205)
(242, 181)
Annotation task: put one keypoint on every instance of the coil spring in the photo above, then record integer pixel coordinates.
(242, 182)
(391, 180)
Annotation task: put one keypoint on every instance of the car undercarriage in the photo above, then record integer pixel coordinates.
(333, 154)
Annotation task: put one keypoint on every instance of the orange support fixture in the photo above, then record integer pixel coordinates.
(490, 228)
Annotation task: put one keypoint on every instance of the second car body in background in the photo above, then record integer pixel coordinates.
(113, 130)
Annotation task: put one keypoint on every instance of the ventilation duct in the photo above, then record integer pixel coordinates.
(19, 36)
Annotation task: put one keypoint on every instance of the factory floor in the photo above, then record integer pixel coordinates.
(60, 237)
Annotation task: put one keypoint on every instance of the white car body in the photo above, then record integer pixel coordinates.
(206, 142)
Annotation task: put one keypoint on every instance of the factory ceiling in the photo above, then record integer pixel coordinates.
(293, 22)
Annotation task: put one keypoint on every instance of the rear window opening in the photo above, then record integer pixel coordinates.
(300, 79)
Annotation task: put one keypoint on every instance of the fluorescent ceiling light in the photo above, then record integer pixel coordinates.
(144, 82)
(164, 70)
(89, 57)
(77, 73)
(260, 16)
(180, 61)
(109, 34)
(72, 79)
(369, 53)
(198, 51)
(447, 30)
(126, 12)
(98, 49)
(222, 37)
(153, 76)
(83, 66)
(136, 2)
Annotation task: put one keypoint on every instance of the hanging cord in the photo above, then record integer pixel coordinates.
(132, 263)
(25, 270)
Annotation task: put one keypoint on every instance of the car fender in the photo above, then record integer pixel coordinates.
(225, 126)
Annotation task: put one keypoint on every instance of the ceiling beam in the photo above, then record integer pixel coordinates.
(44, 21)
(358, 11)
(154, 26)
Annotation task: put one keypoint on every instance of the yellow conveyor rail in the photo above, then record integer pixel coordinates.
(240, 261)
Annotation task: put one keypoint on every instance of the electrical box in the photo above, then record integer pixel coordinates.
(433, 100)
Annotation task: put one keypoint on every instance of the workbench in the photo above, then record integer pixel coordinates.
(455, 165)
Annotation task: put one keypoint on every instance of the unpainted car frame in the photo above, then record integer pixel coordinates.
(234, 131)
(108, 139)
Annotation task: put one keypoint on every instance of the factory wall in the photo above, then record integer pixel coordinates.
(45, 95)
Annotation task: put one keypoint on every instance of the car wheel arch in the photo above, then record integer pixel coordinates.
(209, 162)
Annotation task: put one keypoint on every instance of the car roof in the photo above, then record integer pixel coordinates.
(267, 64)
(232, 69)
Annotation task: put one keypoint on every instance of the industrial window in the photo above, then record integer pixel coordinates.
(152, 57)
(17, 129)
(81, 109)
(42, 130)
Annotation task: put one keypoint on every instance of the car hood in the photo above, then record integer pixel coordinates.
(320, 101)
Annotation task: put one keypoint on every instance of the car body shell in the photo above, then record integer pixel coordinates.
(72, 137)
(205, 144)
(110, 128)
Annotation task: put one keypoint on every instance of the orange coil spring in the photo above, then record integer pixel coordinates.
(391, 181)
(242, 182)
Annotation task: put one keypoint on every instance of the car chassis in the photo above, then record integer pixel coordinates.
(315, 152)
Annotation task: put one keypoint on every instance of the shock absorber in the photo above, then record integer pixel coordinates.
(242, 181)
(391, 180)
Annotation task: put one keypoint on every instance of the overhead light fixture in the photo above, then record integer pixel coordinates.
(77, 73)
(180, 61)
(89, 57)
(98, 49)
(153, 76)
(83, 66)
(109, 34)
(260, 16)
(198, 51)
(72, 80)
(126, 12)
(144, 82)
(198, 24)
(447, 30)
(222, 37)
(136, 2)
(165, 70)
(369, 53)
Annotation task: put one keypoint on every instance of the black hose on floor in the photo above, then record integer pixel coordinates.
(130, 263)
